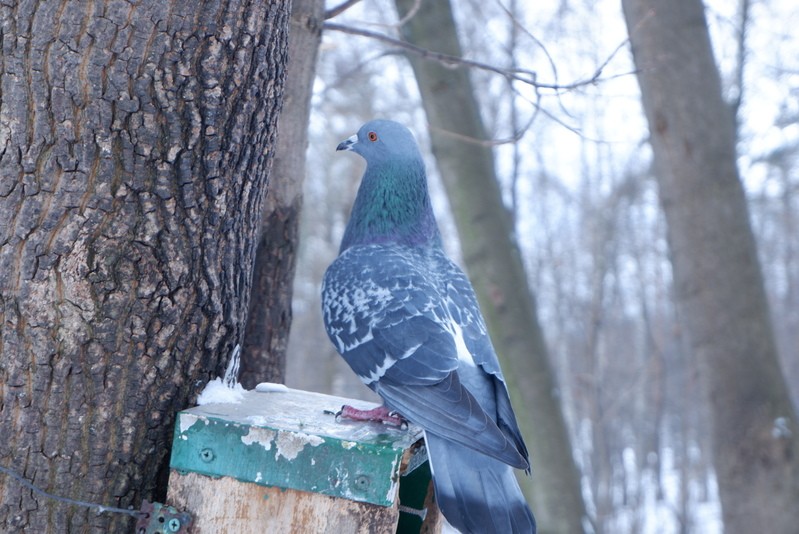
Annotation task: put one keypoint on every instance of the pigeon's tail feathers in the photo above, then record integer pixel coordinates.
(476, 493)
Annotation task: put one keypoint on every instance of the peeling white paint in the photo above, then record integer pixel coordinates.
(343, 484)
(290, 444)
(340, 478)
(348, 444)
(258, 477)
(261, 436)
(392, 490)
(187, 421)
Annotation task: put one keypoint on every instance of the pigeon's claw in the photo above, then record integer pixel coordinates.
(381, 414)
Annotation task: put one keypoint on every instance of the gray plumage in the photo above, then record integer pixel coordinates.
(406, 319)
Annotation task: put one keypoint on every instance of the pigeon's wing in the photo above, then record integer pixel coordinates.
(465, 311)
(385, 312)
(375, 303)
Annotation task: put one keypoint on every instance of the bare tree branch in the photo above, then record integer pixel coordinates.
(740, 53)
(522, 75)
(411, 13)
(445, 59)
(519, 26)
(339, 9)
(517, 135)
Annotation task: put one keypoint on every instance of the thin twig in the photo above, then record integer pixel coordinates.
(450, 61)
(740, 57)
(519, 26)
(445, 59)
(339, 9)
(411, 13)
(517, 135)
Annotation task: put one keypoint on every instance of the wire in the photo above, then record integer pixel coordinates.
(99, 507)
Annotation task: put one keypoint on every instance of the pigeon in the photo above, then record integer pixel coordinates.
(405, 318)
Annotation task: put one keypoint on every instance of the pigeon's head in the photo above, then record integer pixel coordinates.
(381, 141)
(392, 204)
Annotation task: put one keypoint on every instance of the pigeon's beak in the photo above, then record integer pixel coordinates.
(348, 143)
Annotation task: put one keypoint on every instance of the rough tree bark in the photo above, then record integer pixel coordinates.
(135, 141)
(269, 320)
(495, 266)
(717, 276)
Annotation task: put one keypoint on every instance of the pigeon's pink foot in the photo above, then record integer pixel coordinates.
(381, 414)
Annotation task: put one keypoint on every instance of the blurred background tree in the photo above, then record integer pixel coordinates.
(464, 158)
(718, 283)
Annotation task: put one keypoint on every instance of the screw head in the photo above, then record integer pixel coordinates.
(362, 482)
(207, 455)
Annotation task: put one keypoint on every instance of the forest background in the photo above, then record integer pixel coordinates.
(619, 180)
(576, 175)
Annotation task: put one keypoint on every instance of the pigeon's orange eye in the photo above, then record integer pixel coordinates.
(372, 136)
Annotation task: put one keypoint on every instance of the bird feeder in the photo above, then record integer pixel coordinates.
(280, 461)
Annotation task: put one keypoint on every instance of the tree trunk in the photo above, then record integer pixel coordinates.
(269, 320)
(135, 141)
(495, 267)
(717, 277)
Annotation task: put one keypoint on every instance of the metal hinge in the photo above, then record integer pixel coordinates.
(157, 518)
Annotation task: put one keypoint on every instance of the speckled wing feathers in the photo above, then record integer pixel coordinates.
(392, 313)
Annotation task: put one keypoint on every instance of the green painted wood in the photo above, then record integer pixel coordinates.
(285, 439)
